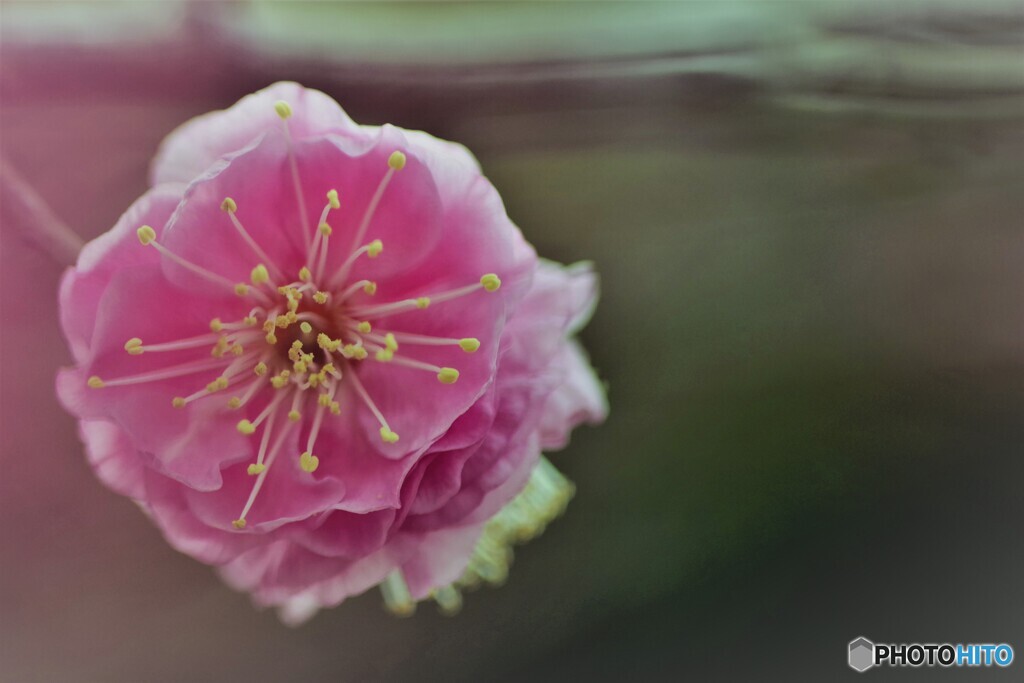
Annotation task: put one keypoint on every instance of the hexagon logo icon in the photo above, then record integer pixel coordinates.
(862, 654)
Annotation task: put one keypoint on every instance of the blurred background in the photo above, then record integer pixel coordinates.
(809, 221)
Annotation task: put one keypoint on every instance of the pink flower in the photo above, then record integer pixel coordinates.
(332, 362)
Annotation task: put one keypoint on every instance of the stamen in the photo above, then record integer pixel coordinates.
(396, 162)
(373, 250)
(467, 344)
(284, 110)
(147, 236)
(157, 375)
(386, 434)
(230, 208)
(261, 476)
(489, 282)
(355, 287)
(444, 375)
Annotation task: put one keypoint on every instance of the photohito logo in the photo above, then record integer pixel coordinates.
(863, 654)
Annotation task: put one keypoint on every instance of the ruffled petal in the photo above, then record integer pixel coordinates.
(195, 145)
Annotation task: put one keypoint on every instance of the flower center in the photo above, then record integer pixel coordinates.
(284, 363)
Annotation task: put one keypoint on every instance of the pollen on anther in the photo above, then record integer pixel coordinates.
(146, 234)
(422, 302)
(374, 248)
(235, 402)
(308, 462)
(133, 346)
(320, 297)
(396, 161)
(305, 327)
(384, 355)
(388, 436)
(364, 327)
(259, 275)
(448, 376)
(390, 343)
(216, 325)
(332, 199)
(245, 427)
(260, 369)
(255, 468)
(178, 402)
(238, 523)
(370, 288)
(325, 229)
(491, 282)
(294, 415)
(304, 274)
(228, 205)
(241, 289)
(283, 109)
(469, 344)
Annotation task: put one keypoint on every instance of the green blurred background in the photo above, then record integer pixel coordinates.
(809, 222)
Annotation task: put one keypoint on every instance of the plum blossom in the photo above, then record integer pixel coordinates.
(322, 358)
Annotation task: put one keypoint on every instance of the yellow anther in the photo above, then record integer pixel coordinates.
(448, 376)
(259, 275)
(260, 369)
(245, 427)
(294, 415)
(279, 381)
(328, 369)
(364, 327)
(217, 384)
(305, 327)
(238, 523)
(133, 346)
(325, 229)
(360, 353)
(249, 320)
(216, 325)
(228, 205)
(255, 468)
(304, 274)
(271, 338)
(299, 366)
(95, 382)
(387, 435)
(235, 403)
(146, 234)
(283, 109)
(469, 344)
(237, 349)
(396, 161)
(491, 282)
(385, 355)
(220, 347)
(332, 199)
(178, 402)
(324, 400)
(241, 289)
(297, 345)
(335, 408)
(422, 302)
(390, 343)
(308, 462)
(370, 288)
(320, 297)
(374, 248)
